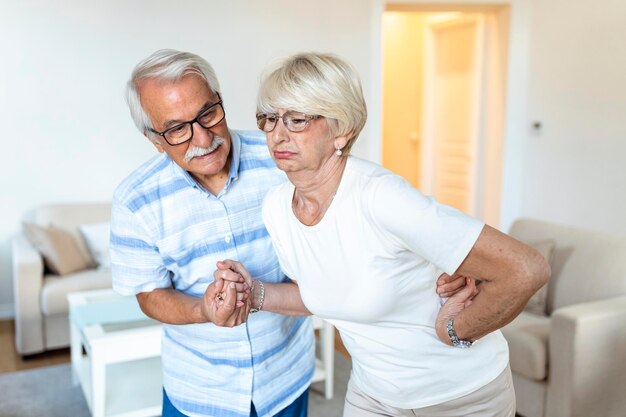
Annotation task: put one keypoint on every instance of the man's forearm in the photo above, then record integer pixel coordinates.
(170, 306)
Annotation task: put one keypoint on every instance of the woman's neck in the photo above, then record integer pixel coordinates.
(314, 191)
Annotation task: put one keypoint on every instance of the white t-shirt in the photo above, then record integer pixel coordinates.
(369, 267)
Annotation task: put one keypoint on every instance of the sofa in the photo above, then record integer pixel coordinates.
(569, 359)
(55, 254)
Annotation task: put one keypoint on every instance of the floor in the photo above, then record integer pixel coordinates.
(11, 361)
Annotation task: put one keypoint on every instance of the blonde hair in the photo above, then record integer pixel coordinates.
(317, 84)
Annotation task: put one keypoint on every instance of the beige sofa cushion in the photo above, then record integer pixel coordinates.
(96, 237)
(58, 248)
(53, 296)
(70, 217)
(527, 336)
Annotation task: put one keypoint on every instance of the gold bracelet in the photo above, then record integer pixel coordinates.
(261, 297)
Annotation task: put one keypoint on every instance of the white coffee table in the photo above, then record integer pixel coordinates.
(116, 354)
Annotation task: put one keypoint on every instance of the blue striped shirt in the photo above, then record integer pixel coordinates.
(167, 231)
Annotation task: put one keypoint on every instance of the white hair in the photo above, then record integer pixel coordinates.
(165, 65)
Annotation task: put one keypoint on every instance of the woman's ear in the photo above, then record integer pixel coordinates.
(342, 140)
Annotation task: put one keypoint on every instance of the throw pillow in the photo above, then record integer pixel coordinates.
(538, 302)
(58, 248)
(97, 238)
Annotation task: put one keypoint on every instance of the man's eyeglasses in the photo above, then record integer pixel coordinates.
(183, 132)
(293, 121)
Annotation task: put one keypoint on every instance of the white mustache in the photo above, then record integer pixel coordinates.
(197, 151)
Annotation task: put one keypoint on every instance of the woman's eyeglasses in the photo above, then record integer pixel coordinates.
(293, 121)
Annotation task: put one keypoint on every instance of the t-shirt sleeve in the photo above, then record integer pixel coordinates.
(136, 265)
(272, 216)
(440, 234)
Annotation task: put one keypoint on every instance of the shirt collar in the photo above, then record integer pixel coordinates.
(235, 144)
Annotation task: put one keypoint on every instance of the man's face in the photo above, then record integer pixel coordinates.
(169, 104)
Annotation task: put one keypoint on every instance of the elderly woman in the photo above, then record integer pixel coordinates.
(366, 249)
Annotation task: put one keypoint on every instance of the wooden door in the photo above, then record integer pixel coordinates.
(452, 111)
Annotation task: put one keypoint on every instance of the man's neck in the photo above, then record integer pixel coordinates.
(214, 183)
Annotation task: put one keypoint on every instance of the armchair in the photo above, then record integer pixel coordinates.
(571, 362)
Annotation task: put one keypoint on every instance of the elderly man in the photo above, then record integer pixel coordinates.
(174, 218)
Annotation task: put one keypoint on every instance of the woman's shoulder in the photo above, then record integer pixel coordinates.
(276, 208)
(369, 173)
(276, 195)
(365, 167)
(377, 187)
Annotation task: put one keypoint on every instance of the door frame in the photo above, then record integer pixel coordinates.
(508, 37)
(428, 150)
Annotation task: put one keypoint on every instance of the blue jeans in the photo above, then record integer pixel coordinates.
(298, 408)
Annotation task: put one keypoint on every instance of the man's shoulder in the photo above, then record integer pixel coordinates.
(255, 155)
(253, 144)
(140, 180)
(251, 137)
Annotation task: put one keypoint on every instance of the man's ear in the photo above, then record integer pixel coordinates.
(154, 141)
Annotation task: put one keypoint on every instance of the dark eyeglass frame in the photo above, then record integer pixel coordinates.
(263, 116)
(191, 122)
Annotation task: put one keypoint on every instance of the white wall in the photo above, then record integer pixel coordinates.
(66, 134)
(575, 168)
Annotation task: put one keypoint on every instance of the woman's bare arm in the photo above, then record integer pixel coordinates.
(510, 273)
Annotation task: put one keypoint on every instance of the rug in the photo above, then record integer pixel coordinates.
(48, 392)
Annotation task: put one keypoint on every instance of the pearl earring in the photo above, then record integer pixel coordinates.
(338, 152)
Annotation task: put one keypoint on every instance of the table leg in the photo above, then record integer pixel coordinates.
(328, 357)
(75, 353)
(98, 385)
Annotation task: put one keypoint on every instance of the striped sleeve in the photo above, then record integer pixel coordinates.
(136, 264)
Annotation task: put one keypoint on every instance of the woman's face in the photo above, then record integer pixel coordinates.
(307, 150)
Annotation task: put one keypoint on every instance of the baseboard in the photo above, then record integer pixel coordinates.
(6, 311)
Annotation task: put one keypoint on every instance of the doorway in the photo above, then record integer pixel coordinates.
(443, 102)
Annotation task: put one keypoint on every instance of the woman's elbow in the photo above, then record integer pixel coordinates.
(538, 272)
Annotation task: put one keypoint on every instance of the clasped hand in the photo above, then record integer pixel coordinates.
(227, 300)
(459, 299)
